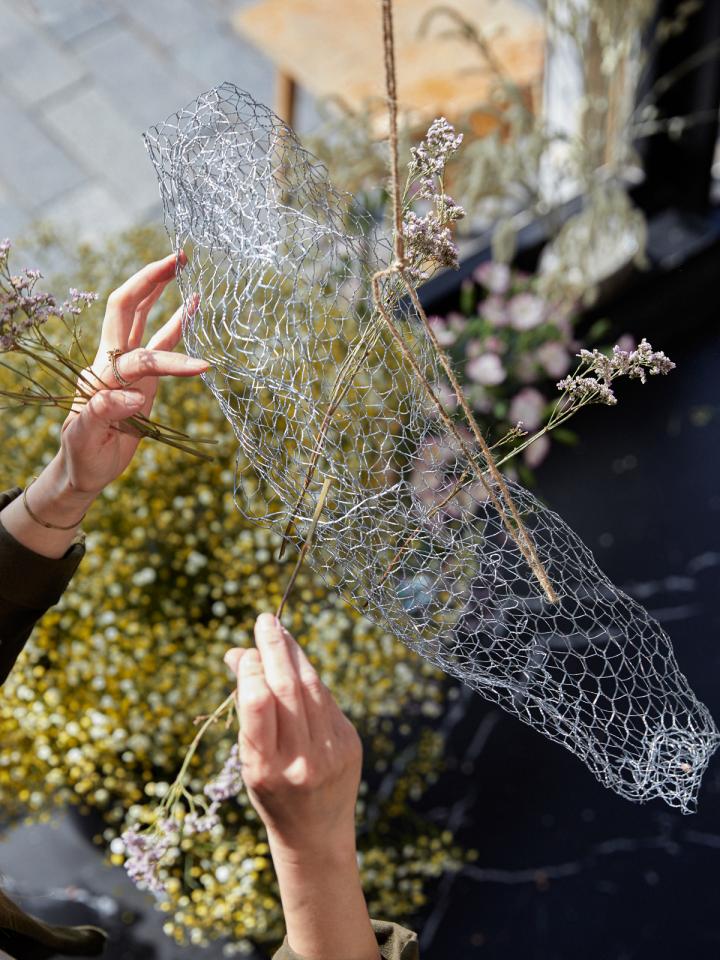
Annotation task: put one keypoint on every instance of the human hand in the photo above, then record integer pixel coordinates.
(94, 449)
(301, 762)
(301, 756)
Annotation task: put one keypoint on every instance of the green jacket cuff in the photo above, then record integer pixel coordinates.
(394, 943)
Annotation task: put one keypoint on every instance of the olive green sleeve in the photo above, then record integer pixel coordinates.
(394, 943)
(29, 585)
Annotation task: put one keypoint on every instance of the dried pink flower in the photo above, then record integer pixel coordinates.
(428, 239)
(145, 850)
(229, 781)
(428, 159)
(588, 389)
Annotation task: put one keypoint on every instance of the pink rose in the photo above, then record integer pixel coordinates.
(526, 311)
(526, 369)
(554, 359)
(627, 342)
(456, 321)
(446, 395)
(537, 451)
(486, 370)
(473, 348)
(495, 344)
(445, 336)
(527, 408)
(495, 277)
(494, 310)
(435, 472)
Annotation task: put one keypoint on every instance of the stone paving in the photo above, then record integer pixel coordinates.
(79, 82)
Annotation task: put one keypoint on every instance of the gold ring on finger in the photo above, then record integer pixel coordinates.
(113, 358)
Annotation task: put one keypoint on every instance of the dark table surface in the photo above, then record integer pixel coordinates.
(566, 868)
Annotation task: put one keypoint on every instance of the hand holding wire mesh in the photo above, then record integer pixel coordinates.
(321, 379)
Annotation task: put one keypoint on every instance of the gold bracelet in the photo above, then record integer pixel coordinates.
(44, 523)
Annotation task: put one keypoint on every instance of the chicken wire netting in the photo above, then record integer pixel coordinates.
(418, 539)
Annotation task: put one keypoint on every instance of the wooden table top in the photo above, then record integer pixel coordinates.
(333, 48)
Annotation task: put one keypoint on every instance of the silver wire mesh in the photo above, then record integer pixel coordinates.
(313, 385)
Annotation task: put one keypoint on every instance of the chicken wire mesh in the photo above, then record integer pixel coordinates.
(411, 531)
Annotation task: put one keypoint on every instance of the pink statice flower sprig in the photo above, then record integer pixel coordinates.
(429, 240)
(151, 840)
(593, 379)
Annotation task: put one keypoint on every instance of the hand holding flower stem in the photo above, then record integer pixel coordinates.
(24, 314)
(301, 760)
(107, 405)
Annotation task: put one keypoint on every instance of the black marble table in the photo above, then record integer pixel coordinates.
(566, 868)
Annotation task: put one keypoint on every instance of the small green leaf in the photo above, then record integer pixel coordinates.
(598, 330)
(468, 298)
(526, 475)
(568, 437)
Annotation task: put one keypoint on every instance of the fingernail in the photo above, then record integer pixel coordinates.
(231, 659)
(267, 623)
(195, 363)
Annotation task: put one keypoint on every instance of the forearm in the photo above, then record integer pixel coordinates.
(325, 911)
(53, 500)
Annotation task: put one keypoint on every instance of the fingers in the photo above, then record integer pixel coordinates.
(258, 711)
(319, 704)
(142, 363)
(110, 406)
(170, 334)
(232, 659)
(141, 315)
(89, 428)
(283, 680)
(123, 302)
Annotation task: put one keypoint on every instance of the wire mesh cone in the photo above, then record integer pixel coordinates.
(314, 386)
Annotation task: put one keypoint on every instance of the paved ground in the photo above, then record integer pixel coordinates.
(79, 82)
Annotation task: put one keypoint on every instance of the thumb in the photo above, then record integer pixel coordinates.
(104, 408)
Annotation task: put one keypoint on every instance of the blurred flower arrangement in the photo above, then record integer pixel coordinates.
(96, 711)
(510, 344)
(514, 350)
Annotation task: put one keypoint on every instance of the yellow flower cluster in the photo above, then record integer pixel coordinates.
(98, 711)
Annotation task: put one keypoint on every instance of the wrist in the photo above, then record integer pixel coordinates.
(326, 915)
(55, 498)
(65, 488)
(327, 852)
